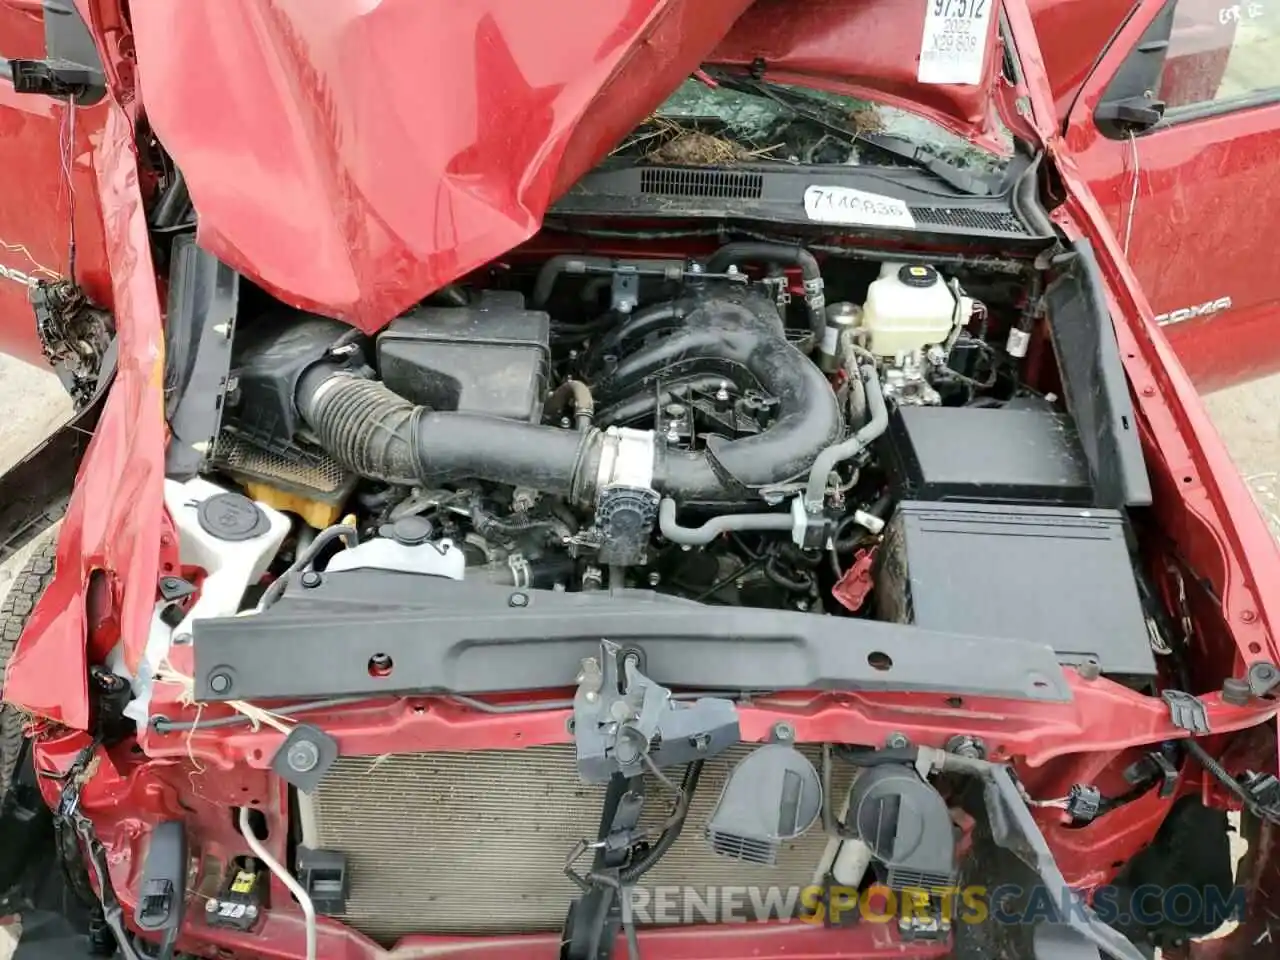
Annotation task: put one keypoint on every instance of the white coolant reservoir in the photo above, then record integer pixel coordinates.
(908, 308)
(404, 546)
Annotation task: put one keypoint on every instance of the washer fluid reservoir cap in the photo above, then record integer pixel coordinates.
(232, 517)
(915, 275)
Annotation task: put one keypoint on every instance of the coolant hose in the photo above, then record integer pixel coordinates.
(758, 251)
(724, 523)
(816, 490)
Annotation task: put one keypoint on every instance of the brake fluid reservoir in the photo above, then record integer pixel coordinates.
(907, 309)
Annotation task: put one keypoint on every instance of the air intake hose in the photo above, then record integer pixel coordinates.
(380, 435)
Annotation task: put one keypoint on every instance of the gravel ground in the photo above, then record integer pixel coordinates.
(32, 404)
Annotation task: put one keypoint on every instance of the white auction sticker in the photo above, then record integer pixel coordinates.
(955, 41)
(846, 205)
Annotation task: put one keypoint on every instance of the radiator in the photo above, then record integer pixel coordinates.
(476, 842)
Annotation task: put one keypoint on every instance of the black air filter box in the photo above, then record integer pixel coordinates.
(978, 454)
(491, 357)
(1058, 576)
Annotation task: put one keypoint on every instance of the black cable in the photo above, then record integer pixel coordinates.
(719, 585)
(1220, 774)
(164, 725)
(669, 836)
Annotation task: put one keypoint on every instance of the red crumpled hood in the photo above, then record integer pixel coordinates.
(352, 156)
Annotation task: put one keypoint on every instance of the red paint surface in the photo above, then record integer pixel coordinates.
(1072, 33)
(113, 521)
(300, 156)
(867, 48)
(35, 205)
(1205, 196)
(327, 161)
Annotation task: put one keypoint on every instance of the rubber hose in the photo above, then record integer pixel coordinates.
(725, 523)
(551, 270)
(584, 407)
(379, 434)
(757, 251)
(825, 462)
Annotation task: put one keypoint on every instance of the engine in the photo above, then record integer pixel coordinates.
(715, 429)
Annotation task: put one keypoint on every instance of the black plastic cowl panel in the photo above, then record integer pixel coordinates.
(1094, 383)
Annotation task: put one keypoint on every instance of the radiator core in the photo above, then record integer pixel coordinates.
(476, 842)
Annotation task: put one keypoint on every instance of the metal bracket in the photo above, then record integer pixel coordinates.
(623, 721)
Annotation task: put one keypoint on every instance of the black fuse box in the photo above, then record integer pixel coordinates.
(1059, 576)
(983, 455)
(491, 357)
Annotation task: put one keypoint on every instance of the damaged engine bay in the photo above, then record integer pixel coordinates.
(684, 489)
(717, 431)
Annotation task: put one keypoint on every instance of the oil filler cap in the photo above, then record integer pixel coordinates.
(916, 275)
(232, 517)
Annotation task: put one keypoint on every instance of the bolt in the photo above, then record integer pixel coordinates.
(963, 745)
(632, 660)
(1089, 670)
(590, 696)
(655, 578)
(897, 741)
(1248, 616)
(211, 906)
(802, 606)
(311, 579)
(303, 756)
(250, 911)
(518, 600)
(220, 682)
(1148, 391)
(722, 394)
(784, 732)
